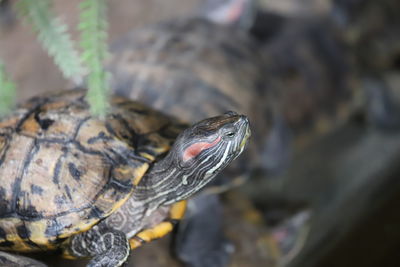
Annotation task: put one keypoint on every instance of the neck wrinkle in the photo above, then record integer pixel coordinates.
(153, 184)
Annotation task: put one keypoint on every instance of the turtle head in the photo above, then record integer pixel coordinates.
(203, 150)
(199, 153)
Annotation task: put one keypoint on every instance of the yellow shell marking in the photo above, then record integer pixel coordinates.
(46, 156)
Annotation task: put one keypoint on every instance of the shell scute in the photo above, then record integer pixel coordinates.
(63, 170)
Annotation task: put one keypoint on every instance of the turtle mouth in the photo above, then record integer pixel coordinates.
(246, 136)
(245, 133)
(245, 124)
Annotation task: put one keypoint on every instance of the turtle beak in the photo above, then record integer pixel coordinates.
(244, 124)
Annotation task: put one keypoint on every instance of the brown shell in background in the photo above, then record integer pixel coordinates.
(62, 170)
(191, 69)
(178, 60)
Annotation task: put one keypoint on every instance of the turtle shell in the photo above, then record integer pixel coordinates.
(62, 170)
(190, 67)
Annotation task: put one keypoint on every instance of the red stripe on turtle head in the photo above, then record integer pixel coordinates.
(195, 149)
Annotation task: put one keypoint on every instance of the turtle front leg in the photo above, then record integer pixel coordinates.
(7, 259)
(106, 246)
(176, 213)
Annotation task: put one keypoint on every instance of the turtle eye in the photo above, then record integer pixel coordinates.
(230, 134)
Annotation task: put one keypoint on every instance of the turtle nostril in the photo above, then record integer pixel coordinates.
(244, 119)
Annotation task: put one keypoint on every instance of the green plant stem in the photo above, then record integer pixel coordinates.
(93, 28)
(7, 92)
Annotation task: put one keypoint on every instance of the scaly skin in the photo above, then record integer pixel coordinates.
(74, 204)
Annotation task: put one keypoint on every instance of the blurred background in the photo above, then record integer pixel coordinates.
(330, 69)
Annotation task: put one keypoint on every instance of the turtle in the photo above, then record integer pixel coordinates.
(194, 67)
(97, 188)
(191, 67)
(145, 59)
(299, 84)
